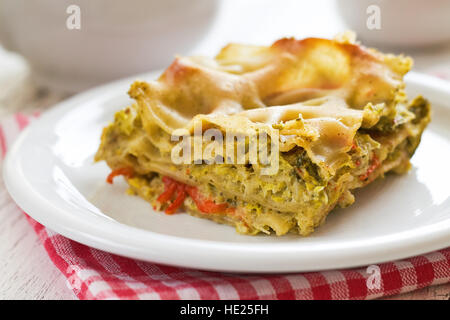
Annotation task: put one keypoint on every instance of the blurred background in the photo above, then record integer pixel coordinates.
(50, 49)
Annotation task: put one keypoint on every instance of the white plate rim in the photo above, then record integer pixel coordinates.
(240, 257)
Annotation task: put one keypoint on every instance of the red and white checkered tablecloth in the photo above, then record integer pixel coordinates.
(94, 274)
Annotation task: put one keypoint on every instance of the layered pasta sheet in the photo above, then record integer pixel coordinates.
(331, 114)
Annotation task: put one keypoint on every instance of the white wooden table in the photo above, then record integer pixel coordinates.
(26, 272)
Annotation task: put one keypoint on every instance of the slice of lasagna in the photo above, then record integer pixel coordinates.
(330, 115)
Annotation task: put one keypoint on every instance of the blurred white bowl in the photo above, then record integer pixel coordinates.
(404, 23)
(115, 39)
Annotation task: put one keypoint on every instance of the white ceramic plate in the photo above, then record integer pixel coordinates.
(50, 173)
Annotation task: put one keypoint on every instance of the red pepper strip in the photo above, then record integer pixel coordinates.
(181, 195)
(169, 189)
(168, 180)
(374, 164)
(127, 172)
(205, 205)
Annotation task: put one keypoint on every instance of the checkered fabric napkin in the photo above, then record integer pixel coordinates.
(94, 274)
